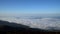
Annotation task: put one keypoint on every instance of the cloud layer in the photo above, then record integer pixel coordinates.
(43, 23)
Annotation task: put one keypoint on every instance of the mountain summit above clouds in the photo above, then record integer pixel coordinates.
(14, 28)
(42, 23)
(29, 25)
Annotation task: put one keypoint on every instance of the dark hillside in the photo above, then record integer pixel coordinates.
(13, 28)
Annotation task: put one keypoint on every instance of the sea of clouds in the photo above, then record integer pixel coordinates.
(35, 22)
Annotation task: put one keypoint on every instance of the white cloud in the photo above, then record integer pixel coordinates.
(43, 23)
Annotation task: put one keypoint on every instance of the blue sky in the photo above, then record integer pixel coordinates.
(29, 6)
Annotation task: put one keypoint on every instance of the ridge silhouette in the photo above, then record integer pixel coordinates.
(13, 28)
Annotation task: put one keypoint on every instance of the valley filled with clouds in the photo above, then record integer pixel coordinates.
(46, 23)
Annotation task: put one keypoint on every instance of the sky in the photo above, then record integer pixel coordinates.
(29, 6)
